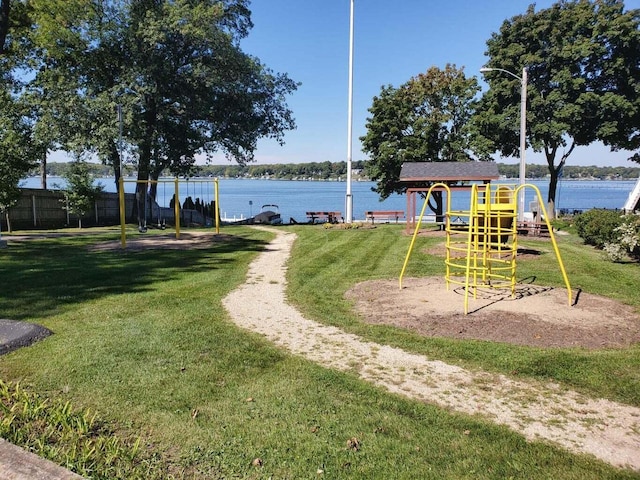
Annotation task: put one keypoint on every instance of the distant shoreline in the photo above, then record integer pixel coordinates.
(337, 172)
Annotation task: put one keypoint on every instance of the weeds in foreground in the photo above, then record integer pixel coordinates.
(74, 439)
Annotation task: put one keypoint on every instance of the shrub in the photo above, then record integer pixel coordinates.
(598, 227)
(627, 242)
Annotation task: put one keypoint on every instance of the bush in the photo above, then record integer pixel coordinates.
(627, 242)
(598, 227)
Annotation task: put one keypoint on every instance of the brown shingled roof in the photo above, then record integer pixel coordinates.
(448, 171)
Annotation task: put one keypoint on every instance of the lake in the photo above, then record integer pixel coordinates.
(242, 198)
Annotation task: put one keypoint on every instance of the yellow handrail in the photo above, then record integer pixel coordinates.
(419, 224)
(553, 239)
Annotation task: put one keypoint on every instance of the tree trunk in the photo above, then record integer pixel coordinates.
(144, 164)
(43, 171)
(554, 174)
(140, 206)
(114, 158)
(436, 206)
(551, 197)
(153, 187)
(5, 8)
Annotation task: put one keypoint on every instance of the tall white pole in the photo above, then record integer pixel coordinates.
(349, 197)
(523, 142)
(523, 131)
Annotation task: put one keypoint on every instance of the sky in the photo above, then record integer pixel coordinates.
(393, 41)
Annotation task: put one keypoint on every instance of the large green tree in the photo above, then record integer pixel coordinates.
(424, 120)
(583, 62)
(176, 69)
(16, 146)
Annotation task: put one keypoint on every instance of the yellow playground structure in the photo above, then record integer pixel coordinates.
(482, 242)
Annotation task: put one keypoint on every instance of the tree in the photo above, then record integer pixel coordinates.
(619, 77)
(424, 120)
(174, 66)
(80, 193)
(15, 153)
(193, 89)
(16, 148)
(42, 58)
(583, 61)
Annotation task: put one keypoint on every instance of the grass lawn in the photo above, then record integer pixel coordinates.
(329, 261)
(140, 339)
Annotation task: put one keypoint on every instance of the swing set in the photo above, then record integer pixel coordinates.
(160, 217)
(482, 243)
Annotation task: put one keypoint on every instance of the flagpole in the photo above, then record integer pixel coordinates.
(349, 196)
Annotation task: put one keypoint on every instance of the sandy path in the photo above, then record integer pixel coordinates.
(605, 429)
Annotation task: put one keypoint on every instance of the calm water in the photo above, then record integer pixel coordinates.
(244, 198)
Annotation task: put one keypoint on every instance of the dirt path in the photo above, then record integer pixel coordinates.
(605, 429)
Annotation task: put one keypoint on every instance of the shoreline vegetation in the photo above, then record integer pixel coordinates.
(334, 171)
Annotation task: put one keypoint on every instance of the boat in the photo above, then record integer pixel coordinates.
(270, 215)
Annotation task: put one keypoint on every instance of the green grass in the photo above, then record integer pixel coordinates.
(329, 262)
(141, 339)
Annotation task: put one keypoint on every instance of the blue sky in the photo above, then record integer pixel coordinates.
(309, 40)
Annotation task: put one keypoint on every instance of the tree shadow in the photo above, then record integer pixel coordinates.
(45, 277)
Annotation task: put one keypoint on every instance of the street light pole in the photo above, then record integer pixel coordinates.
(349, 197)
(523, 131)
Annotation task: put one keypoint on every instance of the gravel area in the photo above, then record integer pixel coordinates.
(608, 430)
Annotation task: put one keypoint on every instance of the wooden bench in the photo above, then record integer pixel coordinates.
(324, 217)
(384, 214)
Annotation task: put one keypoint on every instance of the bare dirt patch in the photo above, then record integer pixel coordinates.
(168, 241)
(537, 316)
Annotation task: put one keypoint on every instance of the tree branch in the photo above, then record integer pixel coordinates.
(564, 157)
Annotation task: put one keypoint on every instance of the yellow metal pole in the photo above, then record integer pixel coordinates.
(176, 209)
(417, 229)
(553, 239)
(447, 231)
(216, 211)
(123, 232)
(472, 236)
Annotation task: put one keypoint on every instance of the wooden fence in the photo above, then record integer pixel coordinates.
(42, 209)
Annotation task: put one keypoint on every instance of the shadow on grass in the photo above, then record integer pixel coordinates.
(40, 278)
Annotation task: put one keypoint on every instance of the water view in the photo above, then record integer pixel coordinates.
(242, 198)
